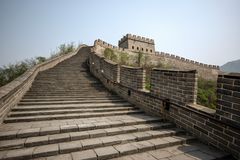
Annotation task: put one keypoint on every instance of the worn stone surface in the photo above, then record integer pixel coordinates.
(84, 155)
(70, 146)
(106, 152)
(60, 157)
(126, 148)
(33, 141)
(47, 150)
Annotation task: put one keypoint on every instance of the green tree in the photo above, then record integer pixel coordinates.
(207, 93)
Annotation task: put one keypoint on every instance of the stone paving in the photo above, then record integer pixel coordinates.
(68, 115)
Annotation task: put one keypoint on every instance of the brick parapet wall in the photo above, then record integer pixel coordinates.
(182, 59)
(132, 77)
(11, 93)
(203, 123)
(179, 87)
(228, 103)
(111, 70)
(159, 54)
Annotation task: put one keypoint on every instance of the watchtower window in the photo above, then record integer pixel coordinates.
(142, 49)
(132, 47)
(137, 48)
(146, 50)
(150, 50)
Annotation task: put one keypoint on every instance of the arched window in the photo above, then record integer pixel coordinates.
(132, 47)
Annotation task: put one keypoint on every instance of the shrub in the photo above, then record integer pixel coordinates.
(12, 71)
(206, 95)
(41, 59)
(124, 58)
(109, 54)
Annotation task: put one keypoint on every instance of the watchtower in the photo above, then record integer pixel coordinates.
(137, 44)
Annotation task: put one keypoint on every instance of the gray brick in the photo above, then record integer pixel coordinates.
(128, 129)
(84, 155)
(142, 127)
(69, 128)
(70, 146)
(115, 123)
(50, 130)
(60, 157)
(91, 143)
(8, 134)
(126, 137)
(106, 152)
(102, 125)
(59, 138)
(97, 133)
(28, 132)
(33, 141)
(143, 145)
(47, 150)
(79, 135)
(16, 143)
(25, 153)
(110, 140)
(172, 140)
(85, 126)
(142, 135)
(113, 131)
(159, 143)
(126, 148)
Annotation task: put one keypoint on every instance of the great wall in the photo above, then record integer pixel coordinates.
(83, 106)
(146, 45)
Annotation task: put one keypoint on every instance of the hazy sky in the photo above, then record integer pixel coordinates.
(203, 30)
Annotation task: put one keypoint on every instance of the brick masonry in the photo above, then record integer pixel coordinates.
(228, 93)
(132, 77)
(207, 125)
(178, 86)
(11, 93)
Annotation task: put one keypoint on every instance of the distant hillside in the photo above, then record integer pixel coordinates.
(233, 66)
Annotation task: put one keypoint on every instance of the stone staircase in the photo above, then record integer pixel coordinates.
(68, 114)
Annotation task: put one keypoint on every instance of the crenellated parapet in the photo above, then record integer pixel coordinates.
(136, 38)
(108, 45)
(178, 58)
(159, 54)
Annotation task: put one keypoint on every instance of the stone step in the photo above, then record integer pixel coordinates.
(67, 116)
(69, 96)
(68, 91)
(70, 102)
(70, 106)
(192, 151)
(66, 111)
(150, 131)
(122, 145)
(67, 99)
(92, 123)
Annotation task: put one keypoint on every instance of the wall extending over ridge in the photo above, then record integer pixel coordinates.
(204, 70)
(11, 93)
(202, 122)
